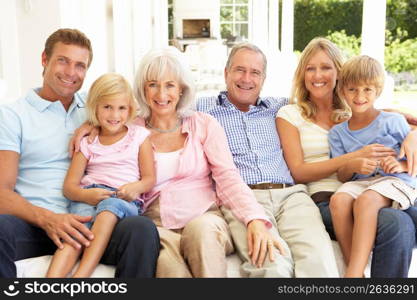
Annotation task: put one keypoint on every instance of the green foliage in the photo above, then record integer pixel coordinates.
(400, 53)
(318, 17)
(341, 22)
(349, 44)
(402, 14)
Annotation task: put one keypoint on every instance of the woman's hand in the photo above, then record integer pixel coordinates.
(261, 242)
(375, 151)
(409, 149)
(411, 119)
(364, 166)
(84, 130)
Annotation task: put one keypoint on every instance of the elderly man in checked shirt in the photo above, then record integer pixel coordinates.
(249, 122)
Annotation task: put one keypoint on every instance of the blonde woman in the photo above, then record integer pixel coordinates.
(303, 128)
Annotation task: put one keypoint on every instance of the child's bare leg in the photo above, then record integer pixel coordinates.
(365, 212)
(341, 209)
(63, 261)
(102, 230)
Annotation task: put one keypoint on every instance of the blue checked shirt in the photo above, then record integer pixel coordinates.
(252, 137)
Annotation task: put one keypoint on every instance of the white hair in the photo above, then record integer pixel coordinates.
(154, 65)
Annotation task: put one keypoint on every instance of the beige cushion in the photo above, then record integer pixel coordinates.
(37, 266)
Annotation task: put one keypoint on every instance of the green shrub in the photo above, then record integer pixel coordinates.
(349, 44)
(318, 17)
(402, 14)
(400, 53)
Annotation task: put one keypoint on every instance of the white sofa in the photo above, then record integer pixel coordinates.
(37, 266)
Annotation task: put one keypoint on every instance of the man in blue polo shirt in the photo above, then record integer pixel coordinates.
(249, 122)
(34, 135)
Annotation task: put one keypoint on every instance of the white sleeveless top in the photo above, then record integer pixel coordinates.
(166, 166)
(315, 145)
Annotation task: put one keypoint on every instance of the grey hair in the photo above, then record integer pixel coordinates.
(153, 66)
(247, 46)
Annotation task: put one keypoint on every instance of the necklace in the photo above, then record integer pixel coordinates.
(177, 125)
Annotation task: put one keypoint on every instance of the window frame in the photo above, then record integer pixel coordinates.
(234, 4)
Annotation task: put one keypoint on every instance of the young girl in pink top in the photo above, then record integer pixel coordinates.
(106, 177)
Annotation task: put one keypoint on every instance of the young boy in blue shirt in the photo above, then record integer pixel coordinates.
(373, 184)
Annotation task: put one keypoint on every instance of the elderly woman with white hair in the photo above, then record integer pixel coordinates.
(195, 175)
(191, 151)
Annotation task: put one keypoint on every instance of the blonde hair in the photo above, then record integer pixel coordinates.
(109, 86)
(362, 69)
(299, 92)
(158, 63)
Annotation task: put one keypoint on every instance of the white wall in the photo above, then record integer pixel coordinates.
(91, 18)
(118, 44)
(259, 23)
(142, 32)
(159, 23)
(24, 27)
(10, 80)
(122, 25)
(34, 23)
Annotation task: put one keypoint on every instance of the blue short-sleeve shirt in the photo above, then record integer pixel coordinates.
(40, 130)
(388, 129)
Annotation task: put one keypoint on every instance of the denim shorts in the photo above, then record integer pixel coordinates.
(119, 207)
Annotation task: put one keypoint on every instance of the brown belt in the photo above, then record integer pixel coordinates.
(268, 186)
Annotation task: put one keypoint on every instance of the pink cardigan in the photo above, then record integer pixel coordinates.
(191, 193)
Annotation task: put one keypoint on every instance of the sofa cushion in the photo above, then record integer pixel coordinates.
(37, 266)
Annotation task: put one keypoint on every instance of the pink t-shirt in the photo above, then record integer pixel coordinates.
(114, 165)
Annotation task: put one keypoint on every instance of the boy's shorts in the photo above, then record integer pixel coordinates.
(402, 194)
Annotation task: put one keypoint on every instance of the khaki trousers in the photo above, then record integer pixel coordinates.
(298, 226)
(197, 250)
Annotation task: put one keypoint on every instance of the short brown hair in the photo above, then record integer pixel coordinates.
(68, 36)
(362, 69)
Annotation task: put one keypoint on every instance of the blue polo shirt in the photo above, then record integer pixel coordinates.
(40, 130)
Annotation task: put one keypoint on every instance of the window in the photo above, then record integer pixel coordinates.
(234, 18)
